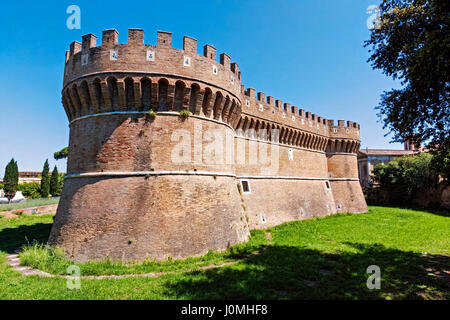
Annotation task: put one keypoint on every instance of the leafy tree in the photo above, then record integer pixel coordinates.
(45, 180)
(411, 43)
(61, 154)
(441, 163)
(55, 185)
(403, 177)
(11, 179)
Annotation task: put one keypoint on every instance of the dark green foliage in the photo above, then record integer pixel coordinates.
(404, 177)
(61, 181)
(55, 183)
(11, 179)
(45, 181)
(61, 154)
(441, 163)
(30, 190)
(412, 44)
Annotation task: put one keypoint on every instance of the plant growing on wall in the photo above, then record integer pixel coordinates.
(151, 115)
(61, 154)
(184, 114)
(11, 179)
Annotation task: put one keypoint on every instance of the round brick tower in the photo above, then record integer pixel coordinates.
(342, 158)
(139, 186)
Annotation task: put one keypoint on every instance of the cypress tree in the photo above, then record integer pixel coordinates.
(11, 179)
(45, 181)
(54, 183)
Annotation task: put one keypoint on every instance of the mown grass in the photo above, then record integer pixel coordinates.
(324, 258)
(52, 260)
(28, 203)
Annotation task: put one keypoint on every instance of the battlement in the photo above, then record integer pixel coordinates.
(260, 105)
(88, 57)
(130, 76)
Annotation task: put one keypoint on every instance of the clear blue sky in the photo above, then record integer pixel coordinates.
(309, 53)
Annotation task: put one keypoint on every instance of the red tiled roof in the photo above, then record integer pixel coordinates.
(385, 152)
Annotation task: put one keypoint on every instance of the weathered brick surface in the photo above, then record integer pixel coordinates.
(158, 217)
(162, 188)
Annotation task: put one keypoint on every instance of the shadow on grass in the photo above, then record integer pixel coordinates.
(13, 238)
(283, 272)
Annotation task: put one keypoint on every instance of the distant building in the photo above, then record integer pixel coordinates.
(369, 158)
(28, 177)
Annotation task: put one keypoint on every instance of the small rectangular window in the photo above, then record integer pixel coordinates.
(245, 186)
(327, 183)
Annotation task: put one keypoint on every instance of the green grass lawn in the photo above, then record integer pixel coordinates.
(29, 203)
(324, 258)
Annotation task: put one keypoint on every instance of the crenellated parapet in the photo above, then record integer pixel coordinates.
(138, 77)
(261, 114)
(260, 105)
(344, 137)
(86, 58)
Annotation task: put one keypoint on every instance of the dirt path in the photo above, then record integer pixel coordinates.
(31, 211)
(14, 261)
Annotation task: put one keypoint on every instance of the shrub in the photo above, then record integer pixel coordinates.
(30, 190)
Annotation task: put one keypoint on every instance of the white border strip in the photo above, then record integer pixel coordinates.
(192, 173)
(341, 153)
(147, 173)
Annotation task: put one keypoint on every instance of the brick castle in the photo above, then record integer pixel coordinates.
(140, 186)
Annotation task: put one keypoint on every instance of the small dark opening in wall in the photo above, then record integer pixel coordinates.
(245, 186)
(164, 42)
(328, 185)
